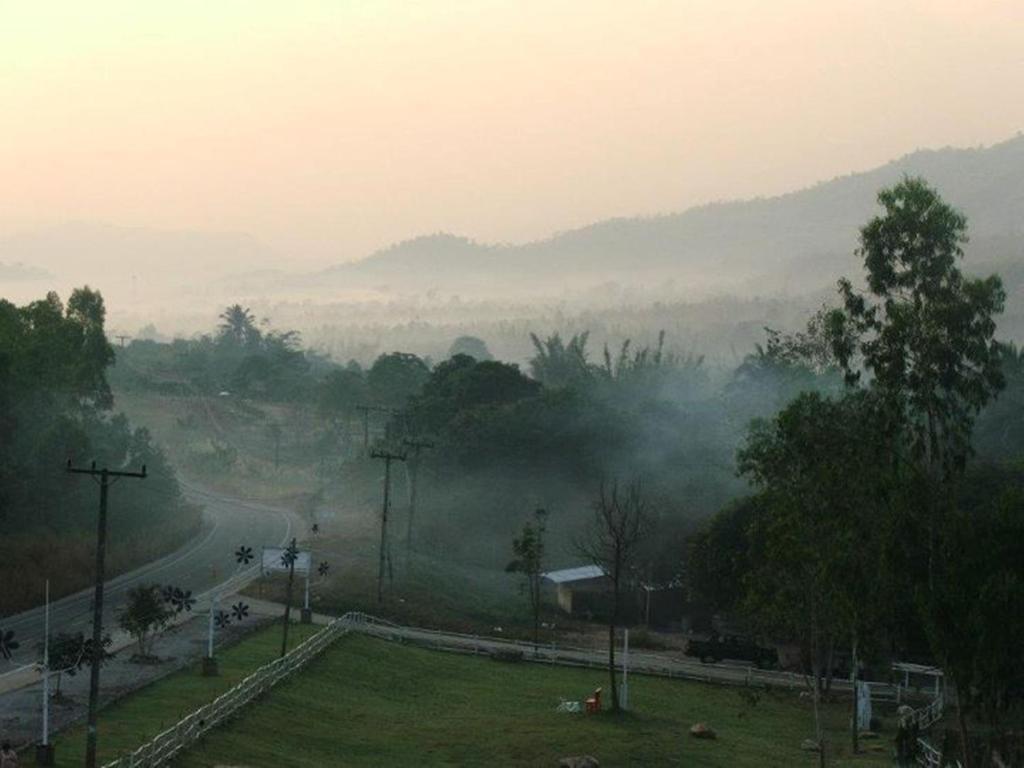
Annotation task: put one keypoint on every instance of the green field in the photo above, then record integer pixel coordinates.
(138, 717)
(368, 702)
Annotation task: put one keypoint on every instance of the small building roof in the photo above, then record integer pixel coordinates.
(579, 573)
(916, 669)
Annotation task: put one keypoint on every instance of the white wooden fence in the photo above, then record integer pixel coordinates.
(658, 665)
(927, 755)
(159, 750)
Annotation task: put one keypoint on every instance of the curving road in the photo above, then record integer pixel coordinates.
(204, 564)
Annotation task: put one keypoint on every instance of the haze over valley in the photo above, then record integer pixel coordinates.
(521, 384)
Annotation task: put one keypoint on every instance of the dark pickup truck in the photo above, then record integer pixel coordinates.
(719, 647)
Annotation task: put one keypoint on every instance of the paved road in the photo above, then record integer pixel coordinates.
(204, 563)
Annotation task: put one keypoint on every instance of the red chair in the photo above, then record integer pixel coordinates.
(593, 704)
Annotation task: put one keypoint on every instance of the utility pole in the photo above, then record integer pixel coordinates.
(107, 478)
(413, 468)
(291, 554)
(388, 457)
(122, 339)
(365, 410)
(44, 751)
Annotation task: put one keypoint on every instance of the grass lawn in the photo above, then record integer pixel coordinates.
(128, 723)
(369, 702)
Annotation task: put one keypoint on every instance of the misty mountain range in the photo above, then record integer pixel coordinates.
(793, 243)
(790, 244)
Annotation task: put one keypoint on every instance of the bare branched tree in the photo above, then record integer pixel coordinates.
(622, 517)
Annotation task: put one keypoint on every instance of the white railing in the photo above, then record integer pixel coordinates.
(926, 716)
(659, 665)
(927, 755)
(163, 747)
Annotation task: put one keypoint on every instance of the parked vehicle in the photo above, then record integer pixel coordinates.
(719, 647)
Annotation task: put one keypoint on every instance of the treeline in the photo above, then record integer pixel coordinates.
(56, 405)
(243, 357)
(875, 530)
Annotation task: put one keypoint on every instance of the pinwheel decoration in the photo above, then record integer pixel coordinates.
(167, 593)
(243, 555)
(289, 556)
(221, 619)
(8, 645)
(323, 568)
(239, 611)
(181, 599)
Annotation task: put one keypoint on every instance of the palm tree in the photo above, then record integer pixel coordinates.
(238, 326)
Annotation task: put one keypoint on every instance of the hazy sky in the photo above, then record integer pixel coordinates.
(329, 129)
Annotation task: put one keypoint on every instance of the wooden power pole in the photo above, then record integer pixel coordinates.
(415, 445)
(388, 457)
(289, 557)
(107, 478)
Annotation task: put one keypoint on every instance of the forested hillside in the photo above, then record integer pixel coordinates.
(56, 406)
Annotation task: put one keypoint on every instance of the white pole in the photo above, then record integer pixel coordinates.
(310, 568)
(625, 669)
(46, 668)
(209, 644)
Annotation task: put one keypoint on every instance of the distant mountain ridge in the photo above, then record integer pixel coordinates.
(790, 241)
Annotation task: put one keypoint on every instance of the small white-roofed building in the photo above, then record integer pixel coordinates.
(589, 579)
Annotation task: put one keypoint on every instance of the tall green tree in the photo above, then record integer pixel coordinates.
(923, 331)
(528, 548)
(815, 555)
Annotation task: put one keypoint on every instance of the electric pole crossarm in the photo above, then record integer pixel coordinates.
(108, 472)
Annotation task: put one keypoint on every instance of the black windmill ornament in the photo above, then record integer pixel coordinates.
(243, 555)
(182, 600)
(222, 619)
(290, 555)
(8, 645)
(323, 568)
(239, 611)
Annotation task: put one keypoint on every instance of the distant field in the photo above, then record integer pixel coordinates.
(189, 428)
(368, 702)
